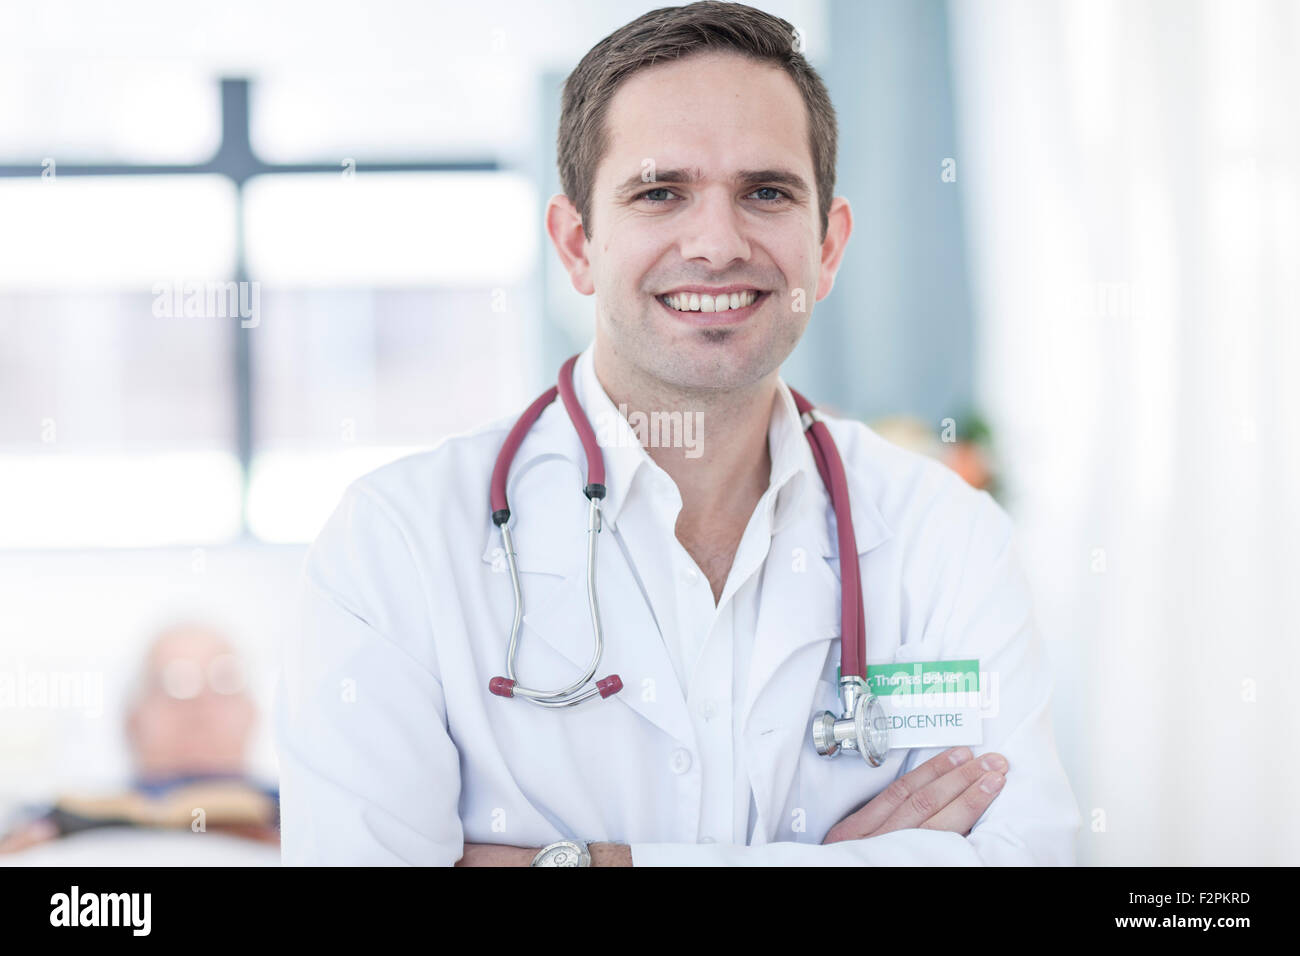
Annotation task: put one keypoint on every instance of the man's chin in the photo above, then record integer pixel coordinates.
(705, 363)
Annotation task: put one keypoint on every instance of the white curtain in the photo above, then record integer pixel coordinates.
(1129, 178)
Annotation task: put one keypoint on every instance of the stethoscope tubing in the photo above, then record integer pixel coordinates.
(829, 465)
(831, 468)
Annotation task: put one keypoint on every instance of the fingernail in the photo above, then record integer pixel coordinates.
(992, 782)
(993, 763)
(959, 756)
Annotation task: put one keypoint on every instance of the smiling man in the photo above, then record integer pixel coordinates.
(697, 151)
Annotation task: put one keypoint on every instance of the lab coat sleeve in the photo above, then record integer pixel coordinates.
(369, 775)
(1034, 819)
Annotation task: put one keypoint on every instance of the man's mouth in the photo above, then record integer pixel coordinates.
(703, 308)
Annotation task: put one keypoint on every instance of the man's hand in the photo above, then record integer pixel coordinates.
(948, 792)
(492, 854)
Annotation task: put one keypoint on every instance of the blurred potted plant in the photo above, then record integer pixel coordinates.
(963, 443)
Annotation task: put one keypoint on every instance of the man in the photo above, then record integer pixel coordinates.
(697, 151)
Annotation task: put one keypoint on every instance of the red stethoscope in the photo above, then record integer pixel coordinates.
(861, 727)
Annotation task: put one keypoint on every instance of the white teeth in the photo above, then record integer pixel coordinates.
(694, 302)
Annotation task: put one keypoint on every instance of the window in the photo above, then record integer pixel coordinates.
(391, 306)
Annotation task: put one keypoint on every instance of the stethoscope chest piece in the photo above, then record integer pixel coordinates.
(861, 727)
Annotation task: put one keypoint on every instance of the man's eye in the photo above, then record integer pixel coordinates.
(780, 194)
(657, 189)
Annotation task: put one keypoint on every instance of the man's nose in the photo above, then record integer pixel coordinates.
(714, 228)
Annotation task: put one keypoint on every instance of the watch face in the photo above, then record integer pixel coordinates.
(563, 854)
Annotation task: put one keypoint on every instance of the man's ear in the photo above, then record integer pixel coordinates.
(564, 225)
(839, 225)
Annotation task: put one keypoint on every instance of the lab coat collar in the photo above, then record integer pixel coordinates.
(553, 436)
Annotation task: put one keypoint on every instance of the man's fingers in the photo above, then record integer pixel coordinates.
(864, 821)
(960, 815)
(955, 786)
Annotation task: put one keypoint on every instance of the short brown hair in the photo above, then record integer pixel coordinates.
(672, 33)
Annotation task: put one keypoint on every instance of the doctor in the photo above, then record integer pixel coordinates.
(686, 171)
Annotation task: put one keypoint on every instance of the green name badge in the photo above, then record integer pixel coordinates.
(929, 703)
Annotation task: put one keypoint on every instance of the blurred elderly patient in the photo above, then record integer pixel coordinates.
(188, 725)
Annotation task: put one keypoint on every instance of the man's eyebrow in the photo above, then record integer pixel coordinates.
(692, 174)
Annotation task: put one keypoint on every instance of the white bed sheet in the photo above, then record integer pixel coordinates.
(131, 846)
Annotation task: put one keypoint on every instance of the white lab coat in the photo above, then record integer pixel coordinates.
(393, 751)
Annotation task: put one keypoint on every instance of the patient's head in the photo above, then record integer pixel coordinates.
(191, 712)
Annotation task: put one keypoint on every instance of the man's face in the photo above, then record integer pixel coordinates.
(720, 116)
(193, 714)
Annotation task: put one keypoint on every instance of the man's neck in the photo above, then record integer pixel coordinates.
(720, 479)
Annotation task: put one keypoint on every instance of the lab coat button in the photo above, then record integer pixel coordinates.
(691, 574)
(681, 761)
(707, 709)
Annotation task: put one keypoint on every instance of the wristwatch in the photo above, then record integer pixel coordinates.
(564, 853)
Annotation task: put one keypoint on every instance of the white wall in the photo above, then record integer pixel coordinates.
(1134, 202)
